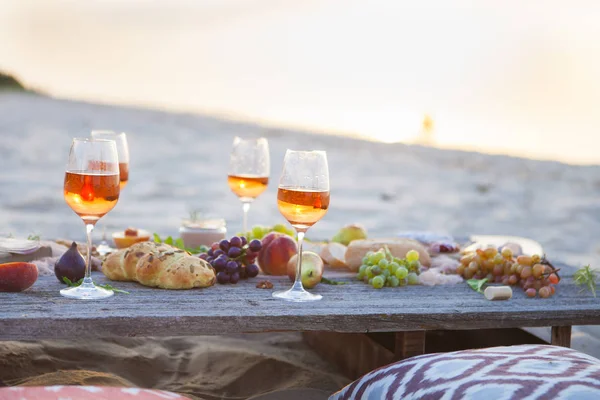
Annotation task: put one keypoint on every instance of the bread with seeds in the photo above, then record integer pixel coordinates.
(158, 265)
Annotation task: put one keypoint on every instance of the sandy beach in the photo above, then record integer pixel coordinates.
(203, 367)
(179, 164)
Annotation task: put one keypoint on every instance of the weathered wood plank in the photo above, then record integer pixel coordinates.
(41, 312)
(409, 344)
(561, 336)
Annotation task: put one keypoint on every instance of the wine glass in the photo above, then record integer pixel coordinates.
(123, 153)
(92, 188)
(303, 199)
(249, 167)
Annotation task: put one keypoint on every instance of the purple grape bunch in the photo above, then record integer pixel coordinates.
(233, 259)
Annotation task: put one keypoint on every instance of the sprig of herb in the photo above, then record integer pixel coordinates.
(107, 286)
(111, 287)
(180, 245)
(586, 277)
(477, 284)
(330, 282)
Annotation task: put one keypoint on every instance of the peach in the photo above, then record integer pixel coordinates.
(276, 251)
(17, 276)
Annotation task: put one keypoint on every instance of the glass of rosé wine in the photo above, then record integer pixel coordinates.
(123, 153)
(249, 167)
(91, 189)
(303, 199)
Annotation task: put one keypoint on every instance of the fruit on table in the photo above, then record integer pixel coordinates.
(130, 237)
(380, 268)
(281, 228)
(277, 249)
(399, 247)
(349, 233)
(71, 265)
(260, 231)
(17, 276)
(312, 269)
(233, 259)
(536, 275)
(334, 255)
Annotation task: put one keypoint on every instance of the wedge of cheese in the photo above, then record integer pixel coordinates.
(398, 247)
(334, 255)
(315, 247)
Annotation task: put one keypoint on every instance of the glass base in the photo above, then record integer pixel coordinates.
(297, 295)
(86, 292)
(104, 249)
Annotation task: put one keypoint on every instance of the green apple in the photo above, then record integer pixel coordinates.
(350, 233)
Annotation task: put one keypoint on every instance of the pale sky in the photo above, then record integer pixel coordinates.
(506, 76)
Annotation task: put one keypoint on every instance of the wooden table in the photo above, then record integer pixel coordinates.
(335, 326)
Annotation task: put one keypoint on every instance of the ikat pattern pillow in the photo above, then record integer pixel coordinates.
(515, 372)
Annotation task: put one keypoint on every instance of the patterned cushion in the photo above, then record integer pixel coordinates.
(516, 372)
(84, 393)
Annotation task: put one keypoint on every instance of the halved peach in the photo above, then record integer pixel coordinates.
(17, 276)
(126, 239)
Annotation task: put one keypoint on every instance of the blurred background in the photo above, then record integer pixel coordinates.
(399, 93)
(510, 77)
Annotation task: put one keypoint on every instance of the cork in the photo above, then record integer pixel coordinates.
(498, 292)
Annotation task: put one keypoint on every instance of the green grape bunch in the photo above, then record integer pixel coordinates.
(380, 268)
(260, 231)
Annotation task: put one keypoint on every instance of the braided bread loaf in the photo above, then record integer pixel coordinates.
(158, 265)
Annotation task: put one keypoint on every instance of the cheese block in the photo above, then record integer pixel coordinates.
(315, 247)
(334, 255)
(398, 247)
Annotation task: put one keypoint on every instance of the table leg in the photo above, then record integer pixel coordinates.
(561, 336)
(354, 354)
(409, 344)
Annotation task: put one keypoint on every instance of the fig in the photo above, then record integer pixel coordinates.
(70, 265)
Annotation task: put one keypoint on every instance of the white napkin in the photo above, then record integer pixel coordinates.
(18, 246)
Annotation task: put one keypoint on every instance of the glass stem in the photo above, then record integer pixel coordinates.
(87, 280)
(298, 281)
(246, 207)
(104, 234)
